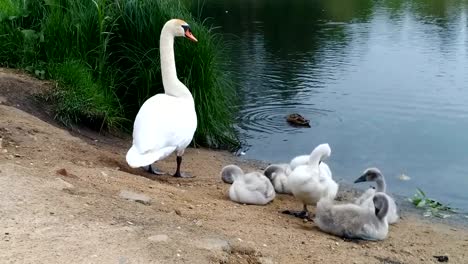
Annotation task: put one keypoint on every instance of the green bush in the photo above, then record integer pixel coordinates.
(104, 55)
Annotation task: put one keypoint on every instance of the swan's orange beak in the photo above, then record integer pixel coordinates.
(189, 35)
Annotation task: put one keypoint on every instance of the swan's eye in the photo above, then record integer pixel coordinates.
(186, 28)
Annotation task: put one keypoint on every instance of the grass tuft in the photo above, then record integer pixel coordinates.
(431, 206)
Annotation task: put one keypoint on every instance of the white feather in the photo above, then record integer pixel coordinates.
(249, 188)
(311, 182)
(164, 123)
(278, 175)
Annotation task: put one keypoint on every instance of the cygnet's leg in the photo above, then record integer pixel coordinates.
(304, 214)
(151, 169)
(178, 173)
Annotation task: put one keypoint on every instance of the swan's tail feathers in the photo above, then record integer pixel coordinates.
(136, 159)
(320, 153)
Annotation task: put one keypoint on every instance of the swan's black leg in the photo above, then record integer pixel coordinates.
(304, 214)
(153, 170)
(178, 173)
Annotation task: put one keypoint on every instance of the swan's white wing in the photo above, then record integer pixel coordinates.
(325, 170)
(260, 185)
(163, 124)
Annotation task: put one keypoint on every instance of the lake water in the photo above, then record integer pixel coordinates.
(385, 83)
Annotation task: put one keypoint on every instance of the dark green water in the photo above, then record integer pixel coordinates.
(385, 83)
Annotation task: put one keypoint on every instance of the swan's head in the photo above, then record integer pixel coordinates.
(271, 170)
(180, 28)
(370, 174)
(230, 172)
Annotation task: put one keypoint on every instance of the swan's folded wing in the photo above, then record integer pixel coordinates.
(325, 171)
(259, 183)
(164, 121)
(366, 198)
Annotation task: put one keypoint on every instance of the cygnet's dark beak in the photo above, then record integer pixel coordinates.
(363, 178)
(188, 33)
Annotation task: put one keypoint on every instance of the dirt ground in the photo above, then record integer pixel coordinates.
(60, 202)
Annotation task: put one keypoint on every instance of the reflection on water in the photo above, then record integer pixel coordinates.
(384, 82)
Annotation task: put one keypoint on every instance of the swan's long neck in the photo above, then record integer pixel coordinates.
(318, 154)
(381, 185)
(382, 212)
(172, 85)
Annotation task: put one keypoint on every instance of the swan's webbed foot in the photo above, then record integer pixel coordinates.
(182, 175)
(153, 170)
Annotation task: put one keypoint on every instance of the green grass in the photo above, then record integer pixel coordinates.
(9, 8)
(431, 206)
(80, 100)
(104, 55)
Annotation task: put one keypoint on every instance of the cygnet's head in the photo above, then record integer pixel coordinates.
(381, 205)
(271, 170)
(370, 174)
(230, 172)
(179, 28)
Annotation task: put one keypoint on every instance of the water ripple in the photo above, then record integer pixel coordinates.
(271, 118)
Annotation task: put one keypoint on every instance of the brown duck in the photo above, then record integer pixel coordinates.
(297, 120)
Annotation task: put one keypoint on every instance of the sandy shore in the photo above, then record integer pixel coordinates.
(64, 199)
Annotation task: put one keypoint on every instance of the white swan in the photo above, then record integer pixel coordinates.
(278, 175)
(165, 122)
(354, 221)
(374, 174)
(310, 182)
(250, 188)
(304, 159)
